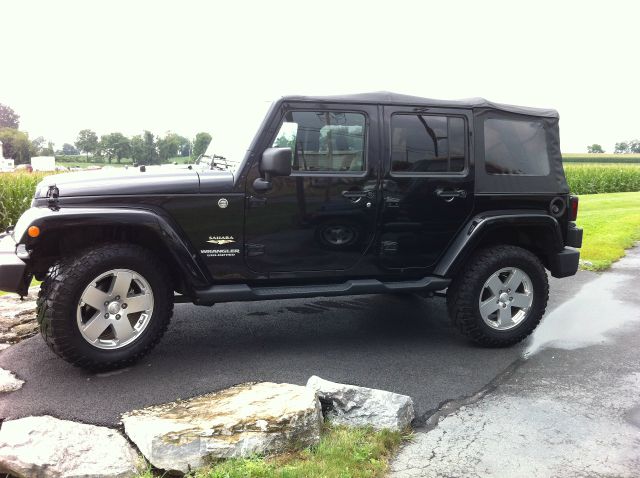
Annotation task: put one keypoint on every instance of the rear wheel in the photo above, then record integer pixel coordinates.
(499, 298)
(105, 307)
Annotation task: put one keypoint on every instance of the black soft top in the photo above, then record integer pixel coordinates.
(389, 98)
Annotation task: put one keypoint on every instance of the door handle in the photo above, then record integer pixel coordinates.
(451, 194)
(354, 194)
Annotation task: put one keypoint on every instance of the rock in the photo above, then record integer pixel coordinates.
(26, 330)
(17, 317)
(9, 382)
(360, 406)
(244, 420)
(47, 447)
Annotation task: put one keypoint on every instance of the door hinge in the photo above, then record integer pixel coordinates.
(254, 201)
(252, 250)
(389, 248)
(392, 201)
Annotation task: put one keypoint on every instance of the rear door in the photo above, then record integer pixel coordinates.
(323, 216)
(427, 185)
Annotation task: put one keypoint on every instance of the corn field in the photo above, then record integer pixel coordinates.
(16, 193)
(602, 178)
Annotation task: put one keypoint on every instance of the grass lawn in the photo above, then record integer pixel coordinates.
(611, 224)
(342, 452)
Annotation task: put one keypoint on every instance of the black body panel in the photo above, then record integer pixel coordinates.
(414, 226)
(120, 181)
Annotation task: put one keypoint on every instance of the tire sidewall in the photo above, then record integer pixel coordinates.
(537, 275)
(151, 273)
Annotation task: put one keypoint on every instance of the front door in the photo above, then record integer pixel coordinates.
(427, 185)
(322, 217)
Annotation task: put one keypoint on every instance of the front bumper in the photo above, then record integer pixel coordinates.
(14, 275)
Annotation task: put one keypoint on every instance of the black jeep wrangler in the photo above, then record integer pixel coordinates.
(340, 195)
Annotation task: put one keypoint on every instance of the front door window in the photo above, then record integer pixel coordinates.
(324, 141)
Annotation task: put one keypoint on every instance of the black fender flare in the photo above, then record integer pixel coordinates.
(160, 225)
(475, 229)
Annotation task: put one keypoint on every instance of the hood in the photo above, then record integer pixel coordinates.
(130, 181)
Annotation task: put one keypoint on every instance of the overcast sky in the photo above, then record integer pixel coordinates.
(189, 66)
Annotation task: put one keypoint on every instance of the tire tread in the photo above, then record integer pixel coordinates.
(462, 300)
(61, 283)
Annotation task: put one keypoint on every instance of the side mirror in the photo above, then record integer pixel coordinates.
(274, 162)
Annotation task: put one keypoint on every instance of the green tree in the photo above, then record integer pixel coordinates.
(69, 149)
(48, 150)
(8, 117)
(36, 146)
(622, 147)
(143, 149)
(150, 150)
(200, 144)
(185, 147)
(15, 145)
(634, 146)
(115, 145)
(87, 141)
(168, 146)
(595, 148)
(137, 149)
(41, 147)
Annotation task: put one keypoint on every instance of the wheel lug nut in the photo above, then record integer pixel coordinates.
(117, 297)
(510, 298)
(106, 316)
(106, 303)
(124, 306)
(118, 317)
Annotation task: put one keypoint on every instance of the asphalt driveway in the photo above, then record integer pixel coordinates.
(399, 343)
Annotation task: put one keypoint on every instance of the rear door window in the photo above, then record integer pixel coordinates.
(515, 147)
(427, 144)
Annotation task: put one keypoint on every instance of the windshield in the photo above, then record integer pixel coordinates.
(231, 137)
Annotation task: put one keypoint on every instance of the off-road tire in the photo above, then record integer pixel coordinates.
(465, 290)
(61, 290)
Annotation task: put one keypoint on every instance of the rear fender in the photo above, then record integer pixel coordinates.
(480, 226)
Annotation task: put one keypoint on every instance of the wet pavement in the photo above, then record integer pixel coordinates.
(564, 403)
(570, 408)
(404, 344)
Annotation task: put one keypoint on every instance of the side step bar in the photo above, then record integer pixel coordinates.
(244, 292)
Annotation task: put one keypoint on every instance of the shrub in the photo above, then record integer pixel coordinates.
(70, 158)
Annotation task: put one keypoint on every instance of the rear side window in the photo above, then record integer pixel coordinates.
(324, 141)
(516, 147)
(427, 144)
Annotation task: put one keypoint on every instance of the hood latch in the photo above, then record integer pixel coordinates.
(52, 194)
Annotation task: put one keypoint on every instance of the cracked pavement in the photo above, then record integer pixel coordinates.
(571, 409)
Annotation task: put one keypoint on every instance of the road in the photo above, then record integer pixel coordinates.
(399, 343)
(571, 409)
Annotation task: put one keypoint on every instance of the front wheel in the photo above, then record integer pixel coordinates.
(105, 307)
(499, 298)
